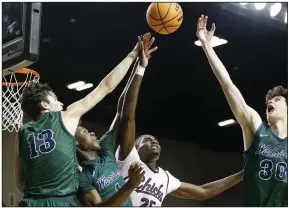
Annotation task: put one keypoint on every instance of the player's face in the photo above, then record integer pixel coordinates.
(86, 140)
(52, 103)
(276, 109)
(149, 146)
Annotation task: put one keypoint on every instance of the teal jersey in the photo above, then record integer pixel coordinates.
(265, 181)
(48, 157)
(103, 174)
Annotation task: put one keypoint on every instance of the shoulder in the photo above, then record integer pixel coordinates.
(107, 135)
(255, 119)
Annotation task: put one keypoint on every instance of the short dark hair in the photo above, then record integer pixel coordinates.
(140, 138)
(277, 91)
(32, 96)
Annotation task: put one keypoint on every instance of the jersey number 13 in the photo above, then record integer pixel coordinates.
(47, 143)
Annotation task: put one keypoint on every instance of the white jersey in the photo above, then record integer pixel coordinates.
(154, 186)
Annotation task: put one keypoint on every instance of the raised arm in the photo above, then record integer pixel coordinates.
(245, 115)
(107, 85)
(18, 171)
(203, 192)
(116, 121)
(127, 133)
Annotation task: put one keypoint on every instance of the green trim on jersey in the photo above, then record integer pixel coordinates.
(103, 173)
(265, 170)
(48, 157)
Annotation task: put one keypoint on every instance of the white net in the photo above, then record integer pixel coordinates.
(12, 115)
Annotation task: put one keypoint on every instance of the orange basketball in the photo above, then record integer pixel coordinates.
(164, 18)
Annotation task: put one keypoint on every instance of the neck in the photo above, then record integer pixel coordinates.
(41, 114)
(280, 128)
(152, 165)
(88, 155)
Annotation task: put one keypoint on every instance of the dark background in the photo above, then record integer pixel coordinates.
(180, 98)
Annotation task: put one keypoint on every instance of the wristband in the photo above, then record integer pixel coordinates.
(140, 70)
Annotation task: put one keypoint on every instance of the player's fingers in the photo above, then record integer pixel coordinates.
(205, 21)
(142, 173)
(139, 170)
(132, 170)
(151, 42)
(153, 50)
(133, 166)
(213, 27)
(142, 46)
(199, 23)
(148, 37)
(139, 41)
(144, 37)
(202, 18)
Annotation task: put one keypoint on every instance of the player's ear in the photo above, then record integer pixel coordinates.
(44, 105)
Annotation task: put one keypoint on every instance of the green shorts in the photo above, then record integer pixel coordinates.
(66, 201)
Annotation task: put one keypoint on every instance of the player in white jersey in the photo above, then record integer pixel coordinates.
(156, 183)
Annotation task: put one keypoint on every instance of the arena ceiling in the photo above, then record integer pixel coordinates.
(180, 98)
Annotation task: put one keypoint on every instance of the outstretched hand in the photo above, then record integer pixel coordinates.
(203, 34)
(145, 51)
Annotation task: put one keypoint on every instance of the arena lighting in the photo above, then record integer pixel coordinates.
(84, 87)
(215, 42)
(260, 6)
(275, 9)
(75, 85)
(243, 4)
(227, 122)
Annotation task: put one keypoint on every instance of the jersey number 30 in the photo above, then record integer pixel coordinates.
(267, 167)
(47, 143)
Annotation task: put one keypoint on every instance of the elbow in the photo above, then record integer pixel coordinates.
(204, 194)
(226, 84)
(105, 87)
(127, 116)
(19, 187)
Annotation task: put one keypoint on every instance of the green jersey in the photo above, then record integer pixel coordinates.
(103, 174)
(265, 172)
(48, 157)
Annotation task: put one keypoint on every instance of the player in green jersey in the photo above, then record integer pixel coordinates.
(265, 169)
(101, 183)
(45, 157)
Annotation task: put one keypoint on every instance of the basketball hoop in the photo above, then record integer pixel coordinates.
(12, 115)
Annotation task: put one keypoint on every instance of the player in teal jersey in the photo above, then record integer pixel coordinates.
(101, 183)
(45, 156)
(265, 168)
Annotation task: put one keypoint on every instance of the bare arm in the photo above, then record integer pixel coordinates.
(203, 192)
(245, 115)
(18, 171)
(127, 133)
(93, 199)
(107, 85)
(116, 122)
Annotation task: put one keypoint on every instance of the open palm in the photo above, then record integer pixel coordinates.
(145, 51)
(203, 34)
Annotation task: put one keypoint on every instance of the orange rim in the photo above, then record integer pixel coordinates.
(22, 71)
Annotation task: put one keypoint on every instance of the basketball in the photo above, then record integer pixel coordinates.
(164, 18)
